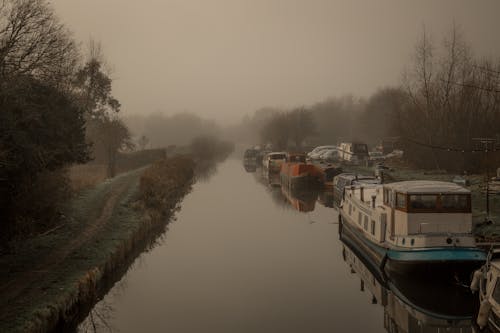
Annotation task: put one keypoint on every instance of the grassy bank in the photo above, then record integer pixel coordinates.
(52, 280)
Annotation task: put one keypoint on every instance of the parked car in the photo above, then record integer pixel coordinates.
(316, 155)
(395, 153)
(316, 151)
(329, 155)
(460, 181)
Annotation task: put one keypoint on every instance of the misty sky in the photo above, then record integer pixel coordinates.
(224, 58)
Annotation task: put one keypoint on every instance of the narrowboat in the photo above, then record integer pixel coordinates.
(272, 162)
(409, 304)
(414, 227)
(296, 173)
(343, 180)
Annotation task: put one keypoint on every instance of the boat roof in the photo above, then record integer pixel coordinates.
(426, 186)
(277, 153)
(352, 176)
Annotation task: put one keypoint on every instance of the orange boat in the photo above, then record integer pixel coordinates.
(296, 173)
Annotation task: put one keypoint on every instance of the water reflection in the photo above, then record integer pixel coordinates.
(303, 201)
(411, 305)
(283, 196)
(242, 258)
(250, 165)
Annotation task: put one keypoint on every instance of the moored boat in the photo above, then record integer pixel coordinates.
(414, 227)
(296, 173)
(272, 161)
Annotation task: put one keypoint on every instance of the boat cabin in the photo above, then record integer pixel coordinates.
(425, 207)
(412, 214)
(353, 152)
(296, 158)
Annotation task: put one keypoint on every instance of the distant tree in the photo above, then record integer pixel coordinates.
(382, 115)
(143, 142)
(107, 134)
(112, 136)
(300, 125)
(452, 99)
(94, 85)
(276, 131)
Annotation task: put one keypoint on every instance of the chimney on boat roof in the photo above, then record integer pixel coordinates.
(362, 193)
(373, 200)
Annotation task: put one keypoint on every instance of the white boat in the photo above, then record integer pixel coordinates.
(413, 227)
(487, 281)
(353, 152)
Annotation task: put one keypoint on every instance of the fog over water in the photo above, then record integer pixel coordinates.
(223, 59)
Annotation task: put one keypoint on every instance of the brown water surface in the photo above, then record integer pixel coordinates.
(241, 257)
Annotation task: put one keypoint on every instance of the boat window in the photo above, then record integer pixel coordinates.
(366, 222)
(297, 158)
(359, 218)
(373, 227)
(496, 292)
(423, 201)
(400, 201)
(277, 157)
(455, 202)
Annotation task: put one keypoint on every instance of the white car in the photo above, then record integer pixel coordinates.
(316, 152)
(329, 155)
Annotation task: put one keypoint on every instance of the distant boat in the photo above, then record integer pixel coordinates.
(272, 161)
(413, 227)
(296, 173)
(354, 153)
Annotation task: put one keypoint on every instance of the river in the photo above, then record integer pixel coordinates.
(240, 257)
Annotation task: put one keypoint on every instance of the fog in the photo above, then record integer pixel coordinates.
(223, 59)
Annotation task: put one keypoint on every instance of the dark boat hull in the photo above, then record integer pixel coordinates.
(456, 264)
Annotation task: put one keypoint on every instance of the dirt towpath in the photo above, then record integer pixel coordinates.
(42, 265)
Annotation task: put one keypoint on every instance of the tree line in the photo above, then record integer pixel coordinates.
(447, 99)
(56, 109)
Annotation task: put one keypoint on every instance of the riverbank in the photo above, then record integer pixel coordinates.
(50, 279)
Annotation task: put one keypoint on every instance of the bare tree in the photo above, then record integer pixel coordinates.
(34, 43)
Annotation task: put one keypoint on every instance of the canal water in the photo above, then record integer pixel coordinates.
(244, 256)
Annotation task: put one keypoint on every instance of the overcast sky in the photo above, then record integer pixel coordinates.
(224, 58)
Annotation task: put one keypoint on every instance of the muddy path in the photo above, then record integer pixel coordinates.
(38, 267)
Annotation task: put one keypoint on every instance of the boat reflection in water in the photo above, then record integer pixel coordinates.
(325, 198)
(300, 199)
(411, 305)
(250, 165)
